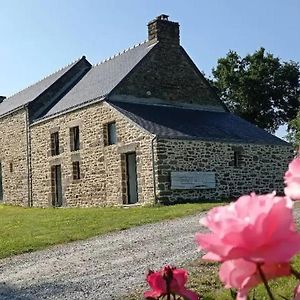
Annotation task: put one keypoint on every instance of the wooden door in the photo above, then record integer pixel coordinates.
(56, 186)
(132, 187)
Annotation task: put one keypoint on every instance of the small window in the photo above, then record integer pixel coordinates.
(111, 133)
(11, 167)
(74, 138)
(54, 143)
(76, 170)
(237, 158)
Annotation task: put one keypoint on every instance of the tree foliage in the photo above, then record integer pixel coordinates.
(293, 135)
(259, 87)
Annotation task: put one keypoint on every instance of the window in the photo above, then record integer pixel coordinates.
(237, 158)
(11, 167)
(112, 134)
(54, 143)
(74, 138)
(76, 170)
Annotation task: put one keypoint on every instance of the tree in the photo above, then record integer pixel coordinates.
(259, 87)
(293, 135)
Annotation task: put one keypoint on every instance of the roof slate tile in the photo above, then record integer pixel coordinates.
(32, 92)
(182, 123)
(102, 78)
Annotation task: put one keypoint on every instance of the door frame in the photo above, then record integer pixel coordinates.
(1, 182)
(128, 184)
(56, 186)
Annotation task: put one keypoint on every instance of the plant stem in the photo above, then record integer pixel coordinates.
(168, 290)
(263, 277)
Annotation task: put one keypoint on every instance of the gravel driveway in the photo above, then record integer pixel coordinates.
(104, 267)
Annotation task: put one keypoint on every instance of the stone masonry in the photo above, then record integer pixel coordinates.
(168, 73)
(261, 168)
(102, 167)
(14, 158)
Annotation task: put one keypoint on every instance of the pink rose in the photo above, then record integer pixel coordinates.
(292, 180)
(297, 292)
(169, 280)
(243, 275)
(255, 228)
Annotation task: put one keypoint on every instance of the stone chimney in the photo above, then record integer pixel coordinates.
(2, 98)
(162, 30)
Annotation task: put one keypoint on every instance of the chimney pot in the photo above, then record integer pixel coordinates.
(162, 30)
(163, 17)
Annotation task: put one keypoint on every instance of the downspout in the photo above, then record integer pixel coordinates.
(29, 179)
(153, 168)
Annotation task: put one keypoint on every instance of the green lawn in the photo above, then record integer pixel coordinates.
(29, 229)
(205, 280)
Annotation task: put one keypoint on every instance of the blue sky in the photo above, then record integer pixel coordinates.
(40, 36)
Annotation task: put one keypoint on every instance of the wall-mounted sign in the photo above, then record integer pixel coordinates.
(193, 180)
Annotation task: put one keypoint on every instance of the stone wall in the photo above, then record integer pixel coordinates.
(261, 168)
(103, 178)
(13, 158)
(168, 73)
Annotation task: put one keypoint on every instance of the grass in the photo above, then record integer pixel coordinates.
(29, 229)
(203, 278)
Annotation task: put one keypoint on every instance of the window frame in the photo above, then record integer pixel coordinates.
(74, 138)
(76, 173)
(54, 141)
(237, 158)
(111, 130)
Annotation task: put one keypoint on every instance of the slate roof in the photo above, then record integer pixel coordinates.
(181, 123)
(32, 92)
(102, 78)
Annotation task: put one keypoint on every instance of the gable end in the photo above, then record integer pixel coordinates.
(168, 73)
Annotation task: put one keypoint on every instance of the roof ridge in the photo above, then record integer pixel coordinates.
(120, 53)
(74, 61)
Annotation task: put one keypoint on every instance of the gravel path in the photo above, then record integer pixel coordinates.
(104, 267)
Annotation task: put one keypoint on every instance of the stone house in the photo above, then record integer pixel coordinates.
(141, 127)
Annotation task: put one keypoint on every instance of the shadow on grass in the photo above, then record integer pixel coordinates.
(195, 201)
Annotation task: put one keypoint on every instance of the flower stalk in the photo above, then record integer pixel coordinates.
(264, 280)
